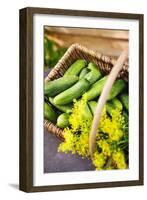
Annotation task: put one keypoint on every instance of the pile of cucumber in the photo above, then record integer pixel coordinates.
(80, 78)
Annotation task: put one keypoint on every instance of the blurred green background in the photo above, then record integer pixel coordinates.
(52, 53)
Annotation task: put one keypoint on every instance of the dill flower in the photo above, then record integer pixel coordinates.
(105, 146)
(77, 137)
(70, 140)
(109, 139)
(112, 126)
(98, 160)
(119, 160)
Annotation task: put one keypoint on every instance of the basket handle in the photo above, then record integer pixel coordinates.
(103, 97)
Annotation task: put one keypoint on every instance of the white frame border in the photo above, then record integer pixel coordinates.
(41, 179)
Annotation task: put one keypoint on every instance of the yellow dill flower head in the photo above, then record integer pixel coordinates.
(82, 145)
(105, 146)
(70, 140)
(98, 160)
(76, 118)
(77, 137)
(119, 160)
(112, 126)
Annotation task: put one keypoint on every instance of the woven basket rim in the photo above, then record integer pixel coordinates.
(103, 58)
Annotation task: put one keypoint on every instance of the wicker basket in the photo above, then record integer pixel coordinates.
(73, 53)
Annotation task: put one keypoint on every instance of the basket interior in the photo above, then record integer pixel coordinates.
(75, 52)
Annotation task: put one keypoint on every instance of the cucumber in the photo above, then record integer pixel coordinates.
(126, 117)
(117, 103)
(86, 113)
(75, 68)
(113, 104)
(65, 108)
(97, 88)
(63, 120)
(110, 105)
(109, 108)
(125, 100)
(49, 113)
(54, 87)
(117, 87)
(94, 74)
(83, 73)
(74, 92)
(93, 67)
(92, 106)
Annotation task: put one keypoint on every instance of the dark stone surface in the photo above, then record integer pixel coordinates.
(61, 162)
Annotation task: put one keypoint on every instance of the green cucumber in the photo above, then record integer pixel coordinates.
(92, 106)
(125, 100)
(97, 88)
(113, 104)
(63, 120)
(117, 103)
(65, 108)
(109, 108)
(117, 88)
(74, 92)
(126, 117)
(91, 66)
(56, 86)
(94, 74)
(86, 113)
(49, 113)
(110, 105)
(75, 68)
(83, 73)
